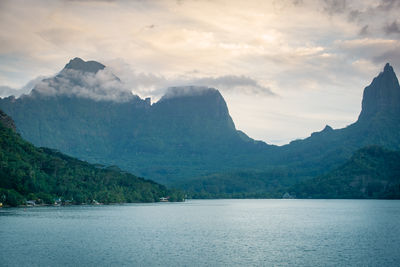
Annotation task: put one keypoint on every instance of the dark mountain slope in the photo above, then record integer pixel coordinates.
(188, 135)
(30, 172)
(372, 172)
(188, 132)
(378, 124)
(6, 121)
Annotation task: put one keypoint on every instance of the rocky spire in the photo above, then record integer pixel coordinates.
(382, 96)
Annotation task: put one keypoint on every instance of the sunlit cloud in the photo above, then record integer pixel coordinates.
(280, 51)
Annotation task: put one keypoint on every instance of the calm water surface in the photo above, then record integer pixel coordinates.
(205, 233)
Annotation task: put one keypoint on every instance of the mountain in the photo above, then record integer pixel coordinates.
(7, 91)
(378, 124)
(34, 173)
(6, 121)
(382, 97)
(84, 66)
(86, 112)
(188, 138)
(301, 160)
(372, 172)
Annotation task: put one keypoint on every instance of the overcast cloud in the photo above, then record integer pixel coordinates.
(286, 68)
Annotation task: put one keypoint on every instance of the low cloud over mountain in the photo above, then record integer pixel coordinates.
(102, 85)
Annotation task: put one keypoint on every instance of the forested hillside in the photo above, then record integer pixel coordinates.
(187, 139)
(27, 172)
(372, 172)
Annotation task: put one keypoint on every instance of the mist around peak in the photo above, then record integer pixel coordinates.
(102, 85)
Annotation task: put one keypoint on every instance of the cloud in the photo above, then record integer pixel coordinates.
(392, 56)
(31, 84)
(297, 2)
(392, 28)
(334, 6)
(227, 84)
(6, 91)
(179, 91)
(246, 49)
(378, 51)
(377, 14)
(242, 84)
(387, 5)
(106, 86)
(364, 31)
(100, 86)
(354, 15)
(90, 1)
(155, 85)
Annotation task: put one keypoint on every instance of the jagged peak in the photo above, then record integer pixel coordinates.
(382, 95)
(388, 68)
(327, 129)
(84, 66)
(387, 74)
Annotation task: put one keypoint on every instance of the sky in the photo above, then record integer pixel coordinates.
(286, 68)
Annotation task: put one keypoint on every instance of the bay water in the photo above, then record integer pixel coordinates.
(205, 233)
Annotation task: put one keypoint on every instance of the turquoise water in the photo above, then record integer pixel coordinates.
(205, 233)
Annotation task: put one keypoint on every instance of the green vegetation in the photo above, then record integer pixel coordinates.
(189, 141)
(372, 172)
(171, 140)
(27, 172)
(241, 184)
(182, 139)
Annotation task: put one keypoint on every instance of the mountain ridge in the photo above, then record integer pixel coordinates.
(157, 140)
(189, 136)
(43, 175)
(371, 172)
